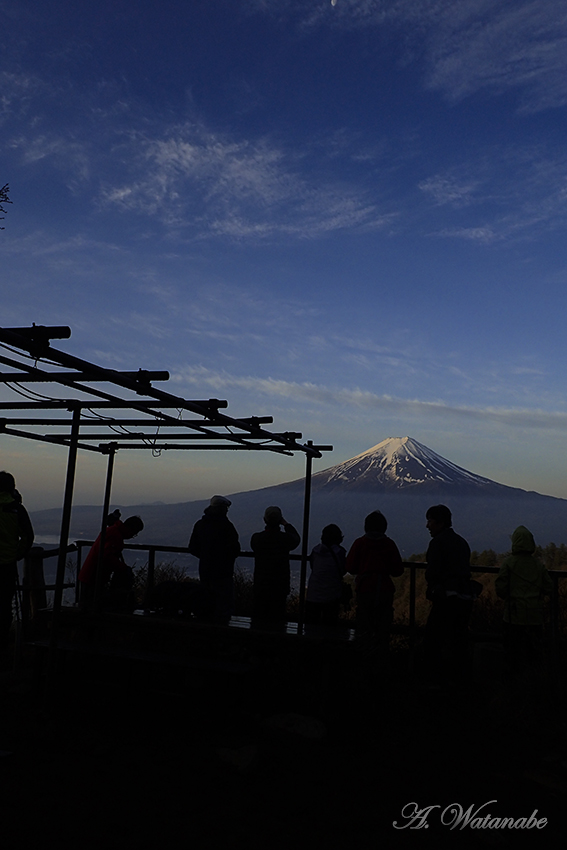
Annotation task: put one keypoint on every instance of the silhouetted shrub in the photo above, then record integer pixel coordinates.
(164, 571)
(243, 593)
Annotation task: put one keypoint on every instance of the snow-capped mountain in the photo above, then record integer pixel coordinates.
(401, 463)
(400, 476)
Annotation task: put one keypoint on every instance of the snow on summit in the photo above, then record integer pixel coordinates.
(399, 463)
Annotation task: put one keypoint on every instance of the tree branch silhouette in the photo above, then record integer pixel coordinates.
(4, 199)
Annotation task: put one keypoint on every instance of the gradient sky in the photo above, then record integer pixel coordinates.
(351, 217)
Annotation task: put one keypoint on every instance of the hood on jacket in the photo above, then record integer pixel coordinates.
(523, 541)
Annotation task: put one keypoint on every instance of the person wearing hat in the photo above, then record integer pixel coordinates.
(271, 549)
(214, 541)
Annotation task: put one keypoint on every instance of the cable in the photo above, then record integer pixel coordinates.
(29, 394)
(33, 392)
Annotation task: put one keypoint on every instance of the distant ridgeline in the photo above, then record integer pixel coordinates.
(399, 476)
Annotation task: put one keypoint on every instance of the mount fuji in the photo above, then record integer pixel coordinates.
(403, 464)
(399, 476)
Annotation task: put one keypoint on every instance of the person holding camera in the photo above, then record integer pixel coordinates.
(272, 579)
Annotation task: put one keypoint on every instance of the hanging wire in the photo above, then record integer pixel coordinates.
(117, 428)
(36, 394)
(155, 451)
(28, 356)
(110, 422)
(27, 393)
(96, 415)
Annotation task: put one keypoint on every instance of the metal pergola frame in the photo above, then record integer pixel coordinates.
(98, 397)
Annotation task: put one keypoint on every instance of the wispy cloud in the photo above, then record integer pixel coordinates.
(500, 46)
(485, 235)
(513, 193)
(18, 91)
(466, 46)
(345, 399)
(196, 180)
(41, 244)
(448, 189)
(66, 155)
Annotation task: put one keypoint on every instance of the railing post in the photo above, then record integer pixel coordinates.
(99, 573)
(65, 520)
(150, 579)
(413, 583)
(412, 594)
(80, 546)
(305, 539)
(35, 596)
(555, 612)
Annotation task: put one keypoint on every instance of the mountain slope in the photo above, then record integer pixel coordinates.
(403, 464)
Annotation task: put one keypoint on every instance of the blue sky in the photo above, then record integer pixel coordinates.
(350, 217)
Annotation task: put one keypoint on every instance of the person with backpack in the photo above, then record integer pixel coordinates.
(523, 582)
(325, 585)
(118, 577)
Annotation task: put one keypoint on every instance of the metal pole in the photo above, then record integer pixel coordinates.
(35, 598)
(305, 538)
(555, 612)
(19, 621)
(79, 563)
(413, 570)
(99, 578)
(65, 521)
(150, 578)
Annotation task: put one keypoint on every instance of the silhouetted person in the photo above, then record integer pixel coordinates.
(214, 541)
(272, 580)
(448, 577)
(117, 576)
(324, 588)
(16, 539)
(373, 559)
(523, 582)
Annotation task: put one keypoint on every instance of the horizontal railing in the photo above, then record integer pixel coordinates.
(413, 567)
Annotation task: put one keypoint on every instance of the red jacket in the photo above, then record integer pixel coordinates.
(373, 559)
(112, 558)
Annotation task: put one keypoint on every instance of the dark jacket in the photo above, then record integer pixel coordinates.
(373, 559)
(214, 541)
(16, 532)
(271, 549)
(448, 564)
(112, 560)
